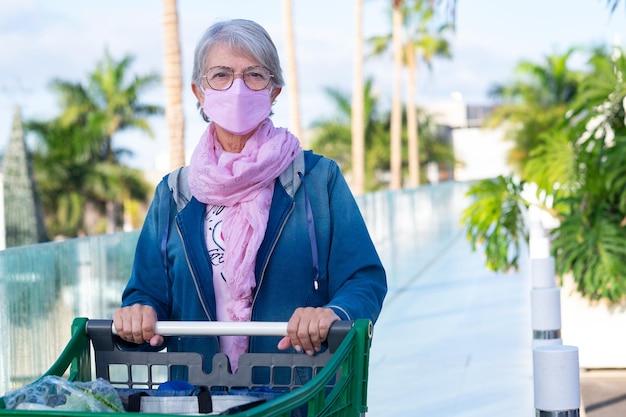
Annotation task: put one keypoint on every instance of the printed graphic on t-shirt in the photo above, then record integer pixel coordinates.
(215, 239)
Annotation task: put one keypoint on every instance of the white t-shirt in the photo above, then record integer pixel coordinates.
(215, 245)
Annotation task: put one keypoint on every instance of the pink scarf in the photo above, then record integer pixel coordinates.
(244, 182)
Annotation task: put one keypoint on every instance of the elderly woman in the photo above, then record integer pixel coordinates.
(254, 228)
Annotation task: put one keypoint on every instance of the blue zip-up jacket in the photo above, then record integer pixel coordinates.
(172, 271)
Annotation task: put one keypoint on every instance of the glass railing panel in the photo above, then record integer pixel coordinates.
(44, 286)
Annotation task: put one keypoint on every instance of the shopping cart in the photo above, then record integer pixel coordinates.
(336, 383)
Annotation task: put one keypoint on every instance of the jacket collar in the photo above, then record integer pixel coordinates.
(190, 221)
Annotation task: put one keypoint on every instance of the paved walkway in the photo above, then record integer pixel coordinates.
(453, 340)
(603, 393)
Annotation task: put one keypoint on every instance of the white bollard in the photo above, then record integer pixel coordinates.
(543, 272)
(546, 315)
(546, 342)
(556, 381)
(538, 241)
(539, 247)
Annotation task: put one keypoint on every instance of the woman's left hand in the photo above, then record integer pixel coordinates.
(308, 328)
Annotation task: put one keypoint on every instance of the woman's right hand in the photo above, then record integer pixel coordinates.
(137, 324)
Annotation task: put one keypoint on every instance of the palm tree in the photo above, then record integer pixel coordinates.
(396, 99)
(76, 148)
(173, 80)
(117, 101)
(578, 168)
(534, 102)
(358, 129)
(74, 181)
(61, 161)
(116, 97)
(333, 137)
(424, 44)
(533, 108)
(413, 38)
(294, 99)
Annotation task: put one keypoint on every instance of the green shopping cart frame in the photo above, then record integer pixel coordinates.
(338, 386)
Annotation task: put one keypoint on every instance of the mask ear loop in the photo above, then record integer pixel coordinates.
(199, 104)
(311, 227)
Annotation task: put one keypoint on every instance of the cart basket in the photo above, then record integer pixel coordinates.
(332, 383)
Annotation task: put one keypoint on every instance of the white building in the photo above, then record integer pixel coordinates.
(481, 151)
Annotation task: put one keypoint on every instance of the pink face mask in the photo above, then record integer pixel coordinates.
(238, 110)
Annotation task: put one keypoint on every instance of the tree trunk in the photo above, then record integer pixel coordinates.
(358, 113)
(292, 79)
(111, 214)
(411, 119)
(173, 81)
(396, 104)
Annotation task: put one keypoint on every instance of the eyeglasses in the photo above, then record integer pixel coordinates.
(221, 78)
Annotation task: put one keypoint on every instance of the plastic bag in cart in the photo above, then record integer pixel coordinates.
(53, 392)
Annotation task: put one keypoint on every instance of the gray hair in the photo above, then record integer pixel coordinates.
(240, 35)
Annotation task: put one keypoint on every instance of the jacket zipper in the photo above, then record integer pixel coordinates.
(195, 279)
(193, 275)
(280, 232)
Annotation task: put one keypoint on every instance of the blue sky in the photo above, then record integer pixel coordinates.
(41, 40)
